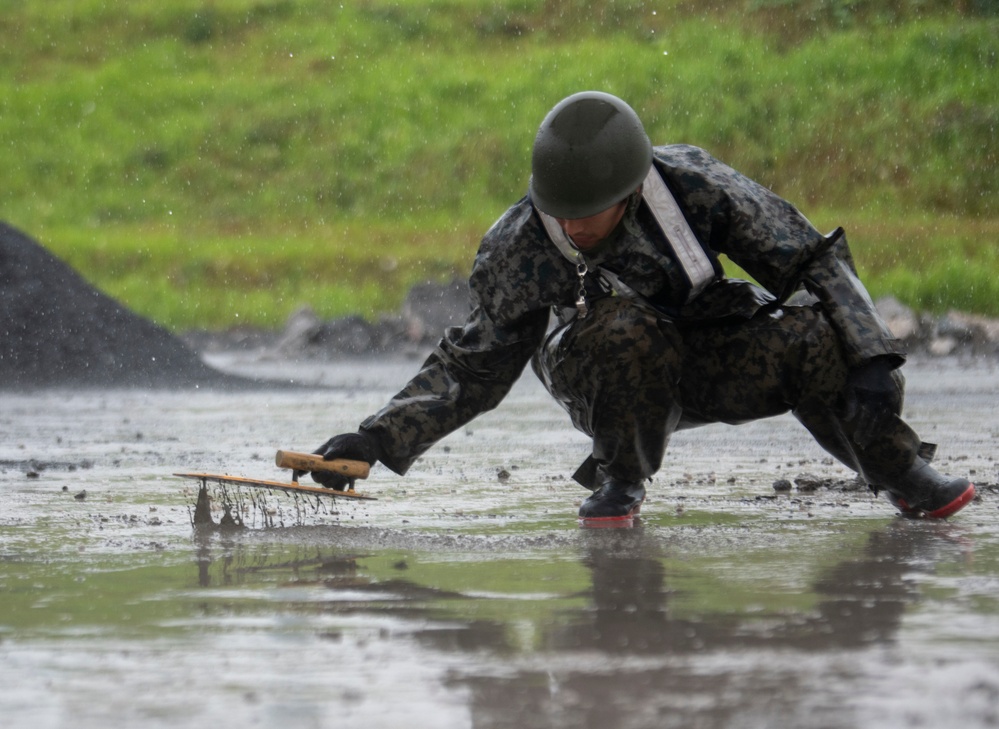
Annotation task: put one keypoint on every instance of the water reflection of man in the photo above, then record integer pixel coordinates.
(861, 601)
(630, 622)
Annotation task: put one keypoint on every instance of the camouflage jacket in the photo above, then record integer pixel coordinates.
(519, 277)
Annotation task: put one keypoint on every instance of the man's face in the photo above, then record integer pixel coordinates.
(586, 233)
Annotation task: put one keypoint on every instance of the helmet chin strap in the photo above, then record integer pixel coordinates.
(687, 250)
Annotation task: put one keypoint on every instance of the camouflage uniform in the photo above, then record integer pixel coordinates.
(635, 369)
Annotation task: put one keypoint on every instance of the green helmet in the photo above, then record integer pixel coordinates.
(591, 152)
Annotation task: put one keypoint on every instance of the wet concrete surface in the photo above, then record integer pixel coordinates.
(467, 595)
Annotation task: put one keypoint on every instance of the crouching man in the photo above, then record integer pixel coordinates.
(620, 241)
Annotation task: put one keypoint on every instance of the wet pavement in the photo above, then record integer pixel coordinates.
(467, 595)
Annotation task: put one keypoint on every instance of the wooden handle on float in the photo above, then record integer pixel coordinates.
(312, 462)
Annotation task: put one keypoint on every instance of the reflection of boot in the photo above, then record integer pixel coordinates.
(924, 492)
(615, 499)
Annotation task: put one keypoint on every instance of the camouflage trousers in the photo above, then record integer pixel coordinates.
(629, 378)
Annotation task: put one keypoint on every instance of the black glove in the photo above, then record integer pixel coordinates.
(352, 446)
(872, 398)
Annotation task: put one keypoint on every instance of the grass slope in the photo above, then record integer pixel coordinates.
(226, 162)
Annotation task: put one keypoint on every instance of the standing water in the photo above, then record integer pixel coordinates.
(467, 595)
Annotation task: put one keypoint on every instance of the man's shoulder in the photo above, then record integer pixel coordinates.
(518, 222)
(692, 169)
(683, 156)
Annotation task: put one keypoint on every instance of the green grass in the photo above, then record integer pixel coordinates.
(216, 280)
(224, 163)
(936, 265)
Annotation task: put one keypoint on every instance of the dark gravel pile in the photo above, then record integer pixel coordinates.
(58, 330)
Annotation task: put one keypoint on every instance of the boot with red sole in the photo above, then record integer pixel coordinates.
(925, 493)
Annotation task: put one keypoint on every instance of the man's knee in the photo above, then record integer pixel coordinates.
(816, 365)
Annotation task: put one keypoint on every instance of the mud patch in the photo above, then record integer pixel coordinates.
(32, 467)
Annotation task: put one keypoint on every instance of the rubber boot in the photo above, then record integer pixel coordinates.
(614, 499)
(923, 492)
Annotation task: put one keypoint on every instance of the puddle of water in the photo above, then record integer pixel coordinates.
(459, 600)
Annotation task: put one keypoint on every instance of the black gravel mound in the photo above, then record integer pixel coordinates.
(58, 330)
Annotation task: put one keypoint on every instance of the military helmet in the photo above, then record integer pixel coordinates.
(590, 153)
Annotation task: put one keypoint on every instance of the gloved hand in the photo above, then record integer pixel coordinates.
(872, 397)
(353, 446)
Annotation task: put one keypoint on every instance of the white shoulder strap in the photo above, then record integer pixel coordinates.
(692, 259)
(689, 254)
